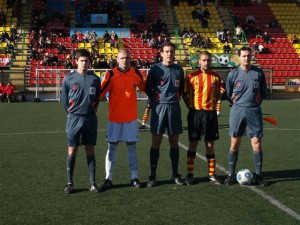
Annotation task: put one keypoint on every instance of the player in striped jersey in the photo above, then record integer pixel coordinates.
(202, 90)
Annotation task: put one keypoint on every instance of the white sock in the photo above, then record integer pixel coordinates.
(110, 160)
(132, 160)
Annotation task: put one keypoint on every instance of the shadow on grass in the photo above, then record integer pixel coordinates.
(281, 176)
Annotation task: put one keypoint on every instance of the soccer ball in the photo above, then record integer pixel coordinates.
(244, 177)
(224, 60)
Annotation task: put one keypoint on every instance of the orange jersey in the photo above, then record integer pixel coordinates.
(122, 104)
(203, 89)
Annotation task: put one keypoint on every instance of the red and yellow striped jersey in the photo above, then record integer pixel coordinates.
(203, 89)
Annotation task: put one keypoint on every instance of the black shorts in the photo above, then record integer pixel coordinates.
(202, 122)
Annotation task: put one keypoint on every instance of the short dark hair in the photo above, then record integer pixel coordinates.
(204, 53)
(244, 48)
(83, 53)
(168, 43)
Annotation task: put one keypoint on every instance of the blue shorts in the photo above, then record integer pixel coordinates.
(122, 132)
(244, 121)
(166, 116)
(81, 130)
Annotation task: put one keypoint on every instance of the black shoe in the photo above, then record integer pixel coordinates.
(142, 127)
(106, 185)
(230, 180)
(178, 180)
(215, 179)
(189, 179)
(136, 183)
(68, 189)
(94, 188)
(152, 181)
(259, 180)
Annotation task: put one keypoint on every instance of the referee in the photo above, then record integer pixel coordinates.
(80, 97)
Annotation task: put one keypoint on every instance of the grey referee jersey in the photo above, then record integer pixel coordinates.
(80, 93)
(246, 88)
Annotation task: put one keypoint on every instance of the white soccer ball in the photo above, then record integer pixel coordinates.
(244, 177)
(224, 60)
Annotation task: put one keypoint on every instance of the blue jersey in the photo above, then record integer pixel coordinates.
(165, 83)
(246, 88)
(80, 93)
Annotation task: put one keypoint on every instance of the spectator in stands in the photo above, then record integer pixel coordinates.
(69, 64)
(255, 48)
(250, 19)
(207, 43)
(160, 42)
(61, 49)
(185, 33)
(238, 33)
(74, 37)
(94, 35)
(266, 38)
(4, 36)
(204, 22)
(87, 37)
(227, 48)
(222, 37)
(34, 54)
(114, 42)
(9, 49)
(113, 34)
(48, 42)
(106, 37)
(262, 49)
(2, 92)
(146, 37)
(229, 38)
(258, 32)
(153, 42)
(295, 39)
(13, 33)
(206, 14)
(112, 62)
(79, 36)
(10, 92)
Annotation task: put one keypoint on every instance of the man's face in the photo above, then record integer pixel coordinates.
(168, 54)
(83, 63)
(123, 60)
(245, 58)
(204, 63)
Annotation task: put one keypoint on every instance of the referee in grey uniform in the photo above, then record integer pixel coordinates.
(164, 88)
(246, 88)
(80, 97)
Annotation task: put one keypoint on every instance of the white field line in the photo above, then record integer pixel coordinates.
(261, 193)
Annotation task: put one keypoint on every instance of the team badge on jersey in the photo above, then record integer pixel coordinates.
(75, 87)
(177, 83)
(92, 91)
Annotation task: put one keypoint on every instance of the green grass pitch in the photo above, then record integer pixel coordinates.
(33, 174)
